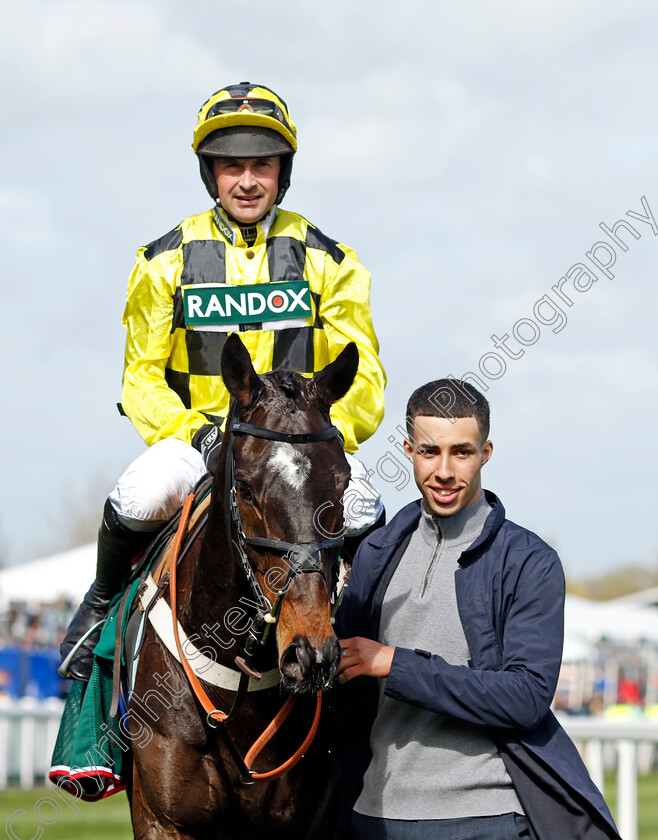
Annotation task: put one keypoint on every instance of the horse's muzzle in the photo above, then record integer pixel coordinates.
(306, 669)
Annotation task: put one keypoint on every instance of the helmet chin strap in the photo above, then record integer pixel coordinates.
(284, 177)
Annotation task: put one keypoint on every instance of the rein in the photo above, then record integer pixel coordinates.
(300, 558)
(216, 715)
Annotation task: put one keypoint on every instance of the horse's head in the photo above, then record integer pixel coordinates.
(290, 492)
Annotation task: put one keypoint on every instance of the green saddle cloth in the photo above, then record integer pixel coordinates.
(91, 747)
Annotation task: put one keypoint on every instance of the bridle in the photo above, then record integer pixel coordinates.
(300, 558)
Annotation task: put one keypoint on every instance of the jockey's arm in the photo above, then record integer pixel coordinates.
(154, 408)
(345, 313)
(158, 411)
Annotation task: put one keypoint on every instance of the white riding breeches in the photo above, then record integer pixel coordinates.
(156, 484)
(362, 504)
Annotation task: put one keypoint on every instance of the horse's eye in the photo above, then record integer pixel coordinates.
(245, 491)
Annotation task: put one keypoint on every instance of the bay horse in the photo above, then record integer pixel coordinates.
(270, 542)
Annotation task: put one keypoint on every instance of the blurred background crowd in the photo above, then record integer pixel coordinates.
(610, 662)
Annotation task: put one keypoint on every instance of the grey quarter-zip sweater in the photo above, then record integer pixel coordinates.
(426, 766)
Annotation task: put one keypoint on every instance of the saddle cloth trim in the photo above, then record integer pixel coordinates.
(203, 666)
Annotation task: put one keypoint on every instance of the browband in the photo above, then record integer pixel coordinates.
(288, 437)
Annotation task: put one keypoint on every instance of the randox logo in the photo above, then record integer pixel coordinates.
(225, 304)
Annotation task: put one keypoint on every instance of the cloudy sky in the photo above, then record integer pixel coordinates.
(468, 151)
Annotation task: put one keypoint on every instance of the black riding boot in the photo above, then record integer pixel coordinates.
(117, 545)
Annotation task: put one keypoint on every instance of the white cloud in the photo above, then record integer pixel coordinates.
(458, 34)
(486, 140)
(19, 210)
(609, 373)
(107, 49)
(540, 167)
(382, 131)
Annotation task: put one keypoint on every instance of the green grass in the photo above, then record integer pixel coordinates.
(109, 819)
(62, 816)
(647, 793)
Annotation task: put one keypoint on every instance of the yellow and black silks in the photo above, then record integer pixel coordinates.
(172, 384)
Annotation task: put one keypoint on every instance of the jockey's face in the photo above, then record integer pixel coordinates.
(247, 187)
(448, 455)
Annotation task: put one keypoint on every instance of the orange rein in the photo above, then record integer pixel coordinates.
(200, 693)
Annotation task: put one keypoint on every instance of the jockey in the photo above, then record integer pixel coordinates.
(182, 302)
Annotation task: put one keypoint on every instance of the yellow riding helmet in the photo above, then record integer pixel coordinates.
(246, 121)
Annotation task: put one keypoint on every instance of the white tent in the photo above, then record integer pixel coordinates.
(646, 597)
(68, 574)
(586, 622)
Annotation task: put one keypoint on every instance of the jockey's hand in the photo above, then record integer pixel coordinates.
(364, 657)
(208, 441)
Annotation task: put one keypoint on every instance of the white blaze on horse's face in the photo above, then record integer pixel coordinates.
(291, 464)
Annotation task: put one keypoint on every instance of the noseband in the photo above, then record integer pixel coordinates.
(298, 557)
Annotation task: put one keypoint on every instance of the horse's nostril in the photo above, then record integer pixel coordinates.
(310, 668)
(331, 656)
(296, 659)
(304, 652)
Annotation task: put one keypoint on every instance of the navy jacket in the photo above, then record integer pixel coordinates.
(510, 596)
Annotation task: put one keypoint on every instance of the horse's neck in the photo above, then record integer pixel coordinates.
(217, 587)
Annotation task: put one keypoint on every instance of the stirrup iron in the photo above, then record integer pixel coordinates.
(63, 669)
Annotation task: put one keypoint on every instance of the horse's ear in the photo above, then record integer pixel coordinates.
(334, 381)
(237, 370)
